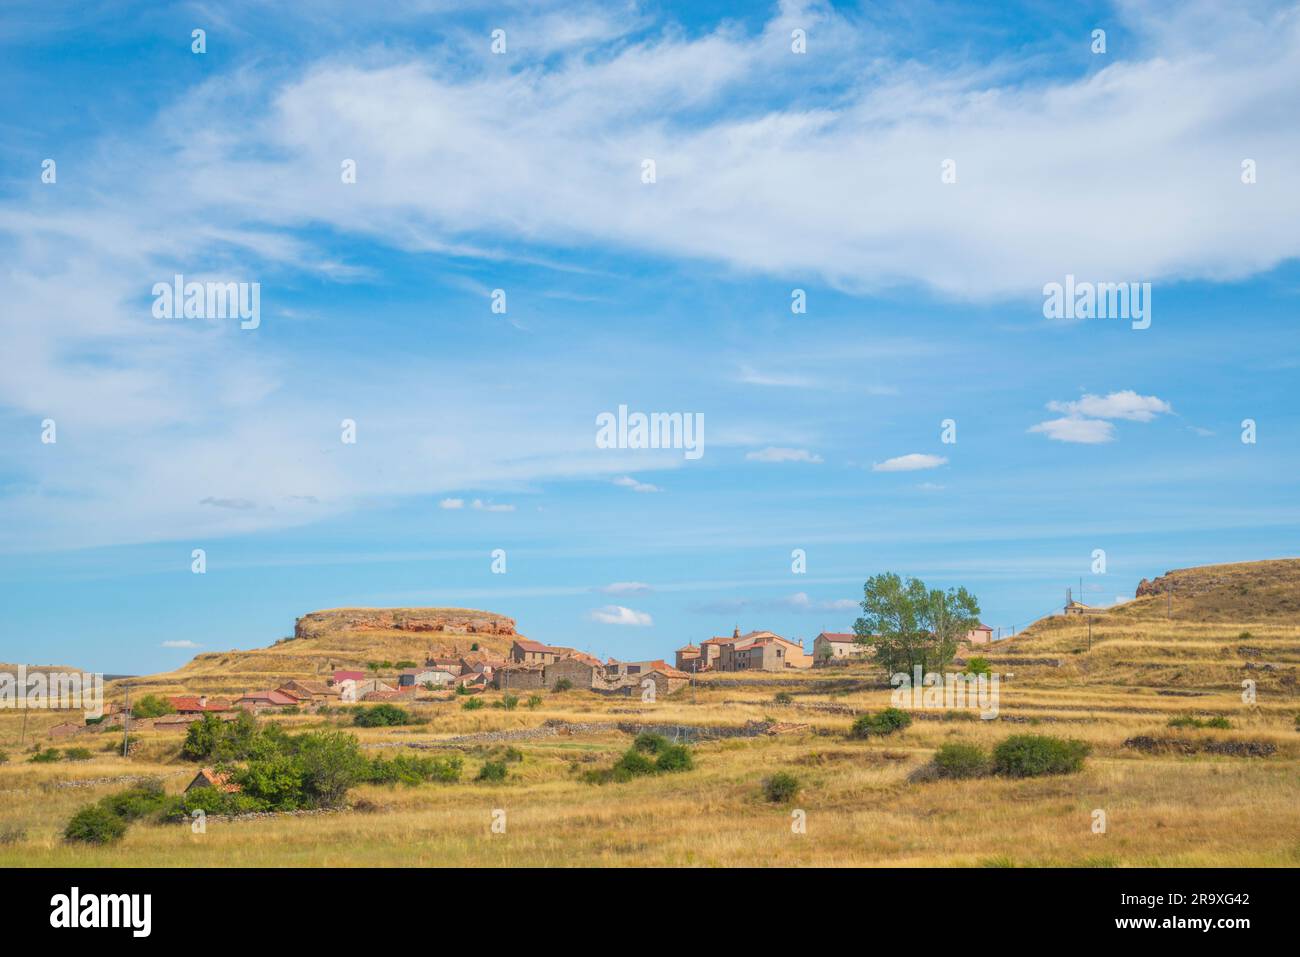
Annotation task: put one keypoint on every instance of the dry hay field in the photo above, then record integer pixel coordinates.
(1177, 797)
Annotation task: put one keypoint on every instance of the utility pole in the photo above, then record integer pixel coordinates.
(126, 725)
(1090, 632)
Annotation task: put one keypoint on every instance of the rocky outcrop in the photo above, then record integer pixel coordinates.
(461, 621)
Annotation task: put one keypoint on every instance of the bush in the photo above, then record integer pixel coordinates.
(95, 825)
(564, 684)
(783, 697)
(472, 704)
(647, 742)
(77, 754)
(675, 757)
(411, 770)
(1187, 721)
(1031, 755)
(406, 663)
(978, 666)
(781, 787)
(633, 764)
(3, 757)
(381, 715)
(534, 701)
(137, 802)
(956, 760)
(48, 756)
(492, 771)
(880, 724)
(151, 706)
(508, 701)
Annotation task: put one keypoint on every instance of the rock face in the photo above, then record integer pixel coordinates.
(462, 621)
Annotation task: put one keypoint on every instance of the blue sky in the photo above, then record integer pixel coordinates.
(522, 171)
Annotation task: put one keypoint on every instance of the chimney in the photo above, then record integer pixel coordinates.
(203, 701)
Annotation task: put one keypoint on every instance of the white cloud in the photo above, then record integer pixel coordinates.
(181, 644)
(1117, 405)
(626, 481)
(801, 602)
(452, 503)
(619, 615)
(910, 463)
(868, 213)
(1085, 431)
(1085, 418)
(625, 588)
(489, 507)
(774, 454)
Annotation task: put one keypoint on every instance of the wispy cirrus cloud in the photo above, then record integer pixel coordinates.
(912, 462)
(775, 454)
(626, 481)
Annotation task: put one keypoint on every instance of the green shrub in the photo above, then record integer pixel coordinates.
(783, 697)
(4, 757)
(95, 825)
(675, 757)
(77, 754)
(564, 684)
(48, 756)
(512, 754)
(508, 701)
(381, 715)
(633, 764)
(1031, 755)
(400, 665)
(781, 787)
(472, 704)
(534, 701)
(957, 760)
(137, 802)
(647, 742)
(412, 769)
(978, 666)
(151, 706)
(492, 771)
(1187, 721)
(881, 723)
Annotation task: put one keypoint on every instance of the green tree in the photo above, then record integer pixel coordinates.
(910, 625)
(151, 706)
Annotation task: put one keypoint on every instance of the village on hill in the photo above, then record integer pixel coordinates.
(528, 666)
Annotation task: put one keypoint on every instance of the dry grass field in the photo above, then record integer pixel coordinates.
(1191, 797)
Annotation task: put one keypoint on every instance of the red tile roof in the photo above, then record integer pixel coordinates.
(185, 703)
(269, 697)
(536, 646)
(217, 779)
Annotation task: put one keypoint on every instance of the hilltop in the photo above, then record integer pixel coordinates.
(1206, 627)
(324, 641)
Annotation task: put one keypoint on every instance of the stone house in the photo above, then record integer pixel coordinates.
(520, 677)
(526, 652)
(580, 672)
(981, 634)
(836, 645)
(688, 658)
(419, 677)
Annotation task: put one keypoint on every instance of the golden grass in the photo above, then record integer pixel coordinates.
(862, 808)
